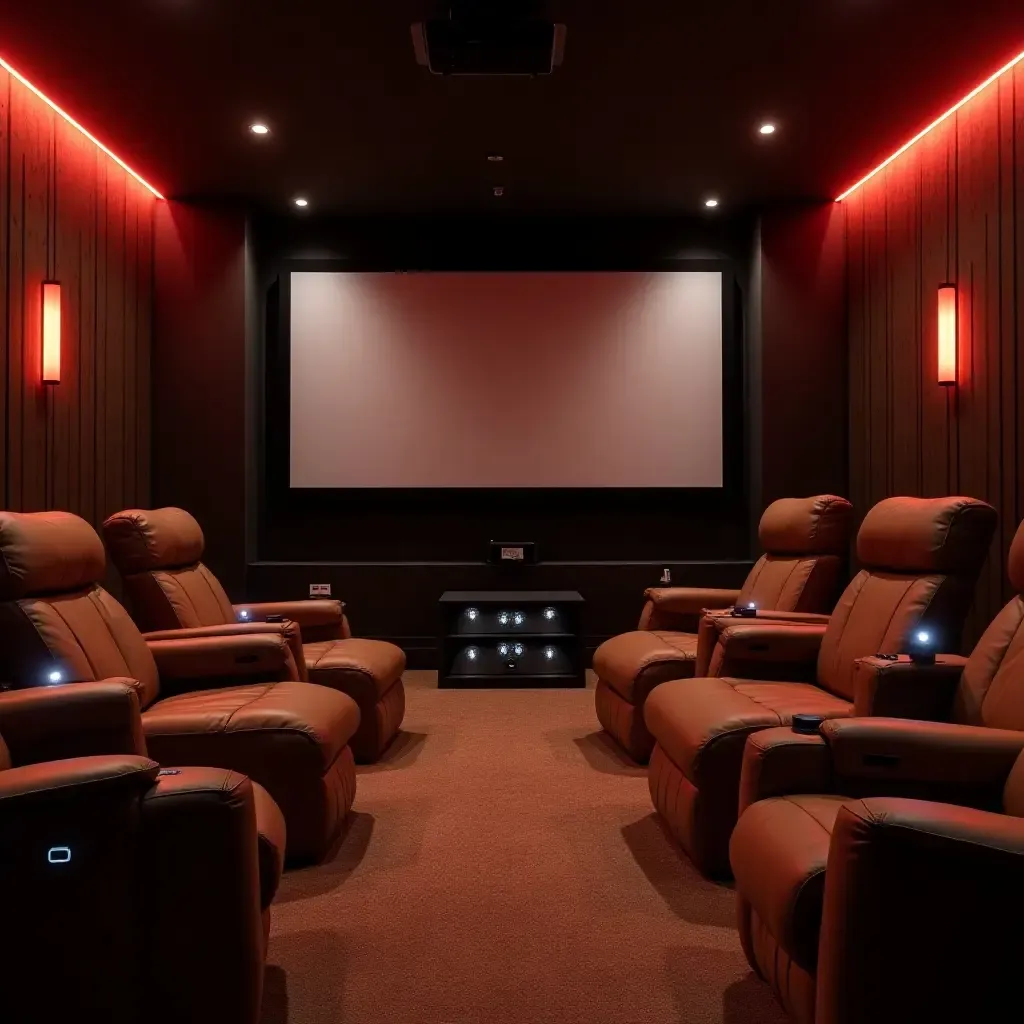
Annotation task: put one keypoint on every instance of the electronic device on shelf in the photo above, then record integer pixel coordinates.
(511, 638)
(508, 552)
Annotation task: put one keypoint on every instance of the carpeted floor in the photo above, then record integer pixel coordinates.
(504, 865)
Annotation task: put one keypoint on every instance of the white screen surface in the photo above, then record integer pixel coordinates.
(506, 379)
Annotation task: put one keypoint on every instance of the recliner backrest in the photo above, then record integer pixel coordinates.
(56, 623)
(805, 543)
(920, 561)
(158, 553)
(991, 690)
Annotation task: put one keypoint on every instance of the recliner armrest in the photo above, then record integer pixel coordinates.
(790, 643)
(724, 619)
(779, 761)
(222, 629)
(680, 608)
(288, 629)
(48, 723)
(911, 885)
(881, 756)
(211, 661)
(323, 617)
(903, 689)
(716, 658)
(868, 753)
(42, 783)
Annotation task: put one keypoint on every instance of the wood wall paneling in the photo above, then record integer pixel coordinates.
(949, 209)
(70, 213)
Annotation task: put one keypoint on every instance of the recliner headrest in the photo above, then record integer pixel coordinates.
(47, 553)
(943, 535)
(140, 539)
(806, 526)
(1015, 561)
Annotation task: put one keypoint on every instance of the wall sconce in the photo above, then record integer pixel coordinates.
(51, 332)
(947, 334)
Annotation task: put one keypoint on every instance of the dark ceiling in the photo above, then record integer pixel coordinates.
(655, 107)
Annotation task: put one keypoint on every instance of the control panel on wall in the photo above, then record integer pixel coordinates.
(510, 638)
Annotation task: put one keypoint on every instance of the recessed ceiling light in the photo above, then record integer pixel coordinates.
(710, 202)
(259, 129)
(495, 158)
(301, 202)
(767, 128)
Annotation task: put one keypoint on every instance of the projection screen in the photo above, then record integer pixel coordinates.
(562, 379)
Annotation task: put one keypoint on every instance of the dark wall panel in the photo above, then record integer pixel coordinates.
(803, 363)
(199, 359)
(949, 209)
(70, 213)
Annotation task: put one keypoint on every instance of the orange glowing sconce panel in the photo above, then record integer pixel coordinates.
(947, 334)
(51, 332)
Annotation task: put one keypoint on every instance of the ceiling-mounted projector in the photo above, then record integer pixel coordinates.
(489, 38)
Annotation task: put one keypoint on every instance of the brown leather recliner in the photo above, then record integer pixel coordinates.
(858, 900)
(137, 890)
(234, 703)
(158, 553)
(920, 560)
(805, 541)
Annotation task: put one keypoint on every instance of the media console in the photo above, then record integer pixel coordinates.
(511, 638)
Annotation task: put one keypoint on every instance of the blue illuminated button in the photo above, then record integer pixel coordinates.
(59, 854)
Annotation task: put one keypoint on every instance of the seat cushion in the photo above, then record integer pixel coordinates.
(239, 723)
(686, 717)
(779, 850)
(353, 664)
(635, 663)
(271, 833)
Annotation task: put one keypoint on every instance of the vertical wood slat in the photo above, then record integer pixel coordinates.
(859, 428)
(5, 225)
(950, 208)
(1016, 282)
(114, 283)
(69, 212)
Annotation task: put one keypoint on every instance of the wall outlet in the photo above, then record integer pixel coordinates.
(666, 577)
(319, 590)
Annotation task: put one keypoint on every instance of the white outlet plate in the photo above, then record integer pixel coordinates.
(319, 590)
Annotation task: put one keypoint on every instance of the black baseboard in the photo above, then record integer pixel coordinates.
(398, 601)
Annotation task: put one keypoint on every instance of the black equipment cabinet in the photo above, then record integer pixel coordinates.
(510, 638)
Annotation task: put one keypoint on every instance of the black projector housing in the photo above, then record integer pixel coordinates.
(488, 45)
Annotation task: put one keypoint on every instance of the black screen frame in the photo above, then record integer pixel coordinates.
(277, 396)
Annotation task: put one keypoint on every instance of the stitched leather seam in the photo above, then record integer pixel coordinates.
(797, 562)
(209, 586)
(711, 741)
(78, 639)
(818, 871)
(756, 573)
(900, 602)
(917, 830)
(79, 783)
(28, 619)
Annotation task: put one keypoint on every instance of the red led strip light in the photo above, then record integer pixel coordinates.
(74, 124)
(920, 135)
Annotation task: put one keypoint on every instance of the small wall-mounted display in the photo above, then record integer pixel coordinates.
(501, 638)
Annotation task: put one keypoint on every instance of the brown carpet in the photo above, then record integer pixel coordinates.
(504, 865)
